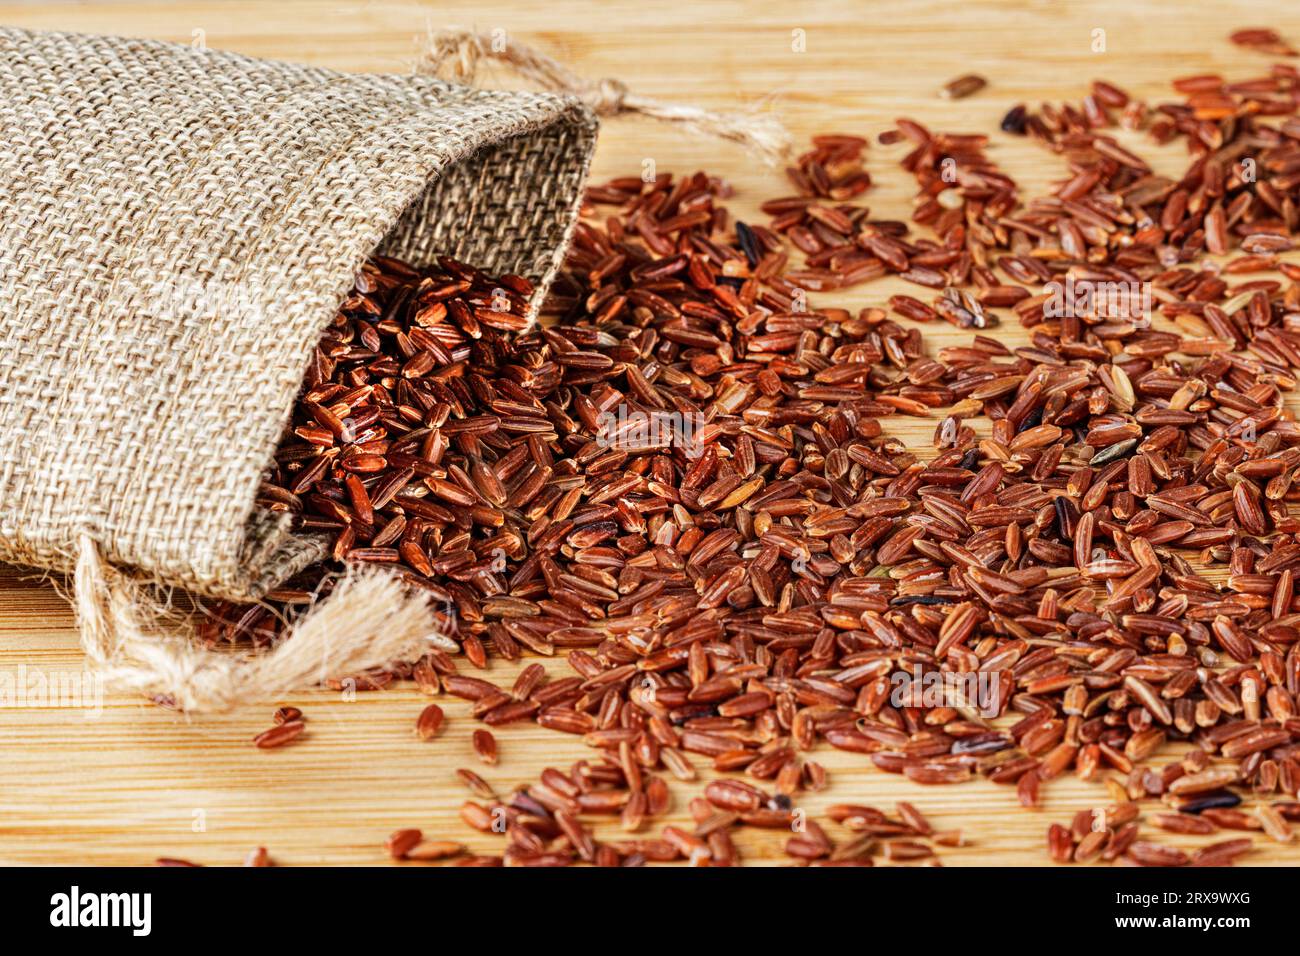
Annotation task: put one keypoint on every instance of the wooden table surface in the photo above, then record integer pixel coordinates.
(128, 782)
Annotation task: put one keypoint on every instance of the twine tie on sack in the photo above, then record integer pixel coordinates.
(459, 52)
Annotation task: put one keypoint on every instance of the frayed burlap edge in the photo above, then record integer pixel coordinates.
(369, 620)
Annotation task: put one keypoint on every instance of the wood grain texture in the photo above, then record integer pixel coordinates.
(130, 782)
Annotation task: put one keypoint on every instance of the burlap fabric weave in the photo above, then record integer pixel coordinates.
(177, 227)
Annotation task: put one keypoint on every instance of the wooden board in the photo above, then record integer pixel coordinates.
(129, 782)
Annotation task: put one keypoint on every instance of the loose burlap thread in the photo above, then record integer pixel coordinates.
(458, 52)
(177, 228)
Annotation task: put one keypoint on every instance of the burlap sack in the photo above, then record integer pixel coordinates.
(177, 228)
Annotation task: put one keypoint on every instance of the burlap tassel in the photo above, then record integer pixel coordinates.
(455, 54)
(369, 620)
